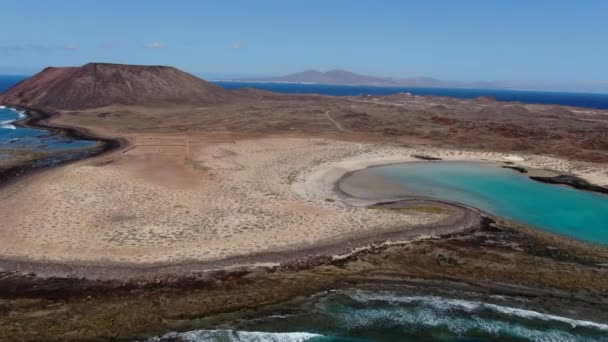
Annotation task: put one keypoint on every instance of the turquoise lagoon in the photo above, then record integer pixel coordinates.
(578, 214)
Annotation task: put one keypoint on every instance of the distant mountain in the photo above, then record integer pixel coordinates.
(343, 77)
(102, 84)
(330, 77)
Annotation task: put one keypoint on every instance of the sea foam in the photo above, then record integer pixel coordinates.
(234, 335)
(443, 304)
(462, 317)
(7, 125)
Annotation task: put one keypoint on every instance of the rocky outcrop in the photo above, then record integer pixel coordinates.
(572, 181)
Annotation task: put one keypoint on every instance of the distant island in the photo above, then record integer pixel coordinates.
(345, 77)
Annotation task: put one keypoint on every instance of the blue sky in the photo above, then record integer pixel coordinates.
(516, 40)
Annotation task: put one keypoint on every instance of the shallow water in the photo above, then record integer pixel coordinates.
(14, 137)
(356, 315)
(34, 148)
(559, 209)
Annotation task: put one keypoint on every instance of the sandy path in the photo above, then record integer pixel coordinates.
(336, 123)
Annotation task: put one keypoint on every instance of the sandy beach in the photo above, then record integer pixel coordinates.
(321, 180)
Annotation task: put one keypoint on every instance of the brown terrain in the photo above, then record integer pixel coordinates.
(223, 201)
(155, 98)
(98, 85)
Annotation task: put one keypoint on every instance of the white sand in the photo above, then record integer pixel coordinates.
(514, 158)
(316, 183)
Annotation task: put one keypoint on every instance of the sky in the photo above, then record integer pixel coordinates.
(469, 40)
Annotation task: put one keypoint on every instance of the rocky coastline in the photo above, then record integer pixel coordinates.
(39, 119)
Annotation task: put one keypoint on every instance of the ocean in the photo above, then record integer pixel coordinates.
(43, 147)
(13, 137)
(506, 193)
(353, 315)
(7, 81)
(588, 100)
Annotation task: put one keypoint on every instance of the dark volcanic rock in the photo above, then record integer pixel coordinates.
(424, 157)
(516, 168)
(392, 131)
(572, 181)
(98, 85)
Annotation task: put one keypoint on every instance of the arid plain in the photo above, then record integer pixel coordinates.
(207, 184)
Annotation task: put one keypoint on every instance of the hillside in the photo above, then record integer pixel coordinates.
(99, 84)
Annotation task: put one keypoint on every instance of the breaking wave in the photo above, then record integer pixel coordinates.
(446, 304)
(240, 336)
(463, 318)
(7, 125)
(366, 316)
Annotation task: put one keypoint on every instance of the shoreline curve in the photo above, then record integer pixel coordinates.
(39, 119)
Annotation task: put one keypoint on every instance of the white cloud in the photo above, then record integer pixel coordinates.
(154, 45)
(238, 46)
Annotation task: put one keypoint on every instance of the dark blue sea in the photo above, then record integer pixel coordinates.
(589, 100)
(6, 81)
